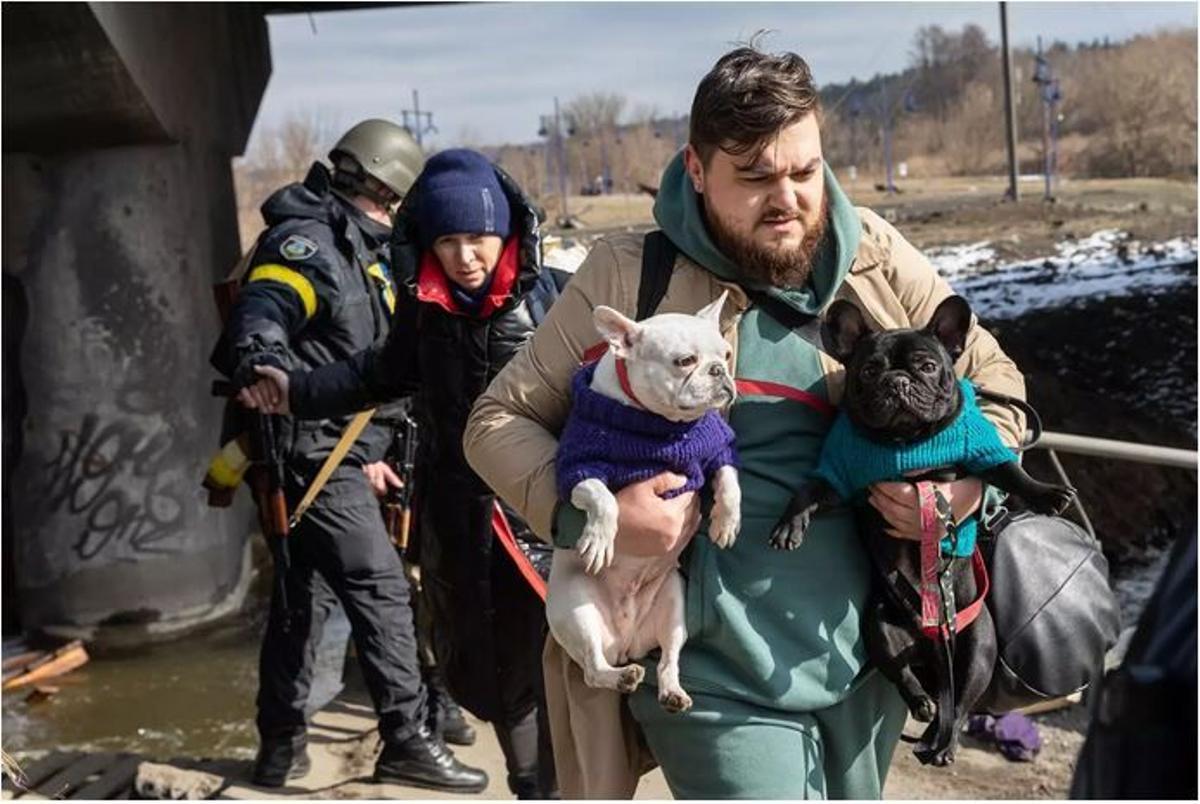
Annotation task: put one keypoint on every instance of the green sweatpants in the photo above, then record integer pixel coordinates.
(723, 748)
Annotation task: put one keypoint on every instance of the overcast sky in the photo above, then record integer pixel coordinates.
(487, 71)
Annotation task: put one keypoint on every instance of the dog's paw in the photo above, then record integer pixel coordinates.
(631, 676)
(1052, 499)
(789, 531)
(596, 546)
(725, 527)
(929, 752)
(924, 710)
(674, 701)
(940, 759)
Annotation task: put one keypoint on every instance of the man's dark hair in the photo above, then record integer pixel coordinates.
(748, 96)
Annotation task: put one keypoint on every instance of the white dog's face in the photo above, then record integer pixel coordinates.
(678, 365)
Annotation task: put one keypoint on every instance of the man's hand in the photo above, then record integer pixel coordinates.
(901, 507)
(381, 476)
(648, 525)
(270, 394)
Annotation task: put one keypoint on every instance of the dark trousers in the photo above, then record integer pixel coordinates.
(522, 730)
(341, 550)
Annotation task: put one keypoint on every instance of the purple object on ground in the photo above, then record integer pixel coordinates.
(1015, 734)
(1017, 737)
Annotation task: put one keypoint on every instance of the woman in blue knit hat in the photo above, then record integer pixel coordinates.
(466, 252)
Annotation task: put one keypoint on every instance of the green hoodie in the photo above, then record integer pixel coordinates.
(773, 628)
(779, 629)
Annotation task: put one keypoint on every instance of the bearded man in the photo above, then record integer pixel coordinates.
(785, 704)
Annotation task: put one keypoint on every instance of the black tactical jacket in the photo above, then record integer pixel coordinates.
(317, 291)
(448, 359)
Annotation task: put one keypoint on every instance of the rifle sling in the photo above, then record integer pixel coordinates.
(349, 436)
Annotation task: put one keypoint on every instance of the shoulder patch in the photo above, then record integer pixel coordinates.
(298, 247)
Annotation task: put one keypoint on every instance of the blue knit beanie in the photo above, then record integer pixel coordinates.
(460, 194)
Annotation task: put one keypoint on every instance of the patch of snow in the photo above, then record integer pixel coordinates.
(566, 258)
(1105, 264)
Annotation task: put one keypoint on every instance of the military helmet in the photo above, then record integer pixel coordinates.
(382, 150)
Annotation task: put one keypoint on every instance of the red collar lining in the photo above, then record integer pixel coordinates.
(433, 285)
(623, 378)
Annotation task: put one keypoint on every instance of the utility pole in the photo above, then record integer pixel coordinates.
(417, 128)
(1010, 113)
(889, 112)
(855, 113)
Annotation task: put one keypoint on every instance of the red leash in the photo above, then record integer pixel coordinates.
(935, 524)
(506, 538)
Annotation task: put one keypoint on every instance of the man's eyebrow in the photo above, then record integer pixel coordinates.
(759, 166)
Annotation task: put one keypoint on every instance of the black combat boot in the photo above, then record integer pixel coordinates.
(424, 761)
(446, 716)
(281, 759)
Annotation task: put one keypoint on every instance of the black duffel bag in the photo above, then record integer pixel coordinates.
(1054, 610)
(1055, 613)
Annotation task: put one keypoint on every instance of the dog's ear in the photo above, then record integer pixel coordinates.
(620, 332)
(950, 323)
(712, 312)
(842, 329)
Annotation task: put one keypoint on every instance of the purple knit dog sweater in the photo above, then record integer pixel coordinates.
(618, 444)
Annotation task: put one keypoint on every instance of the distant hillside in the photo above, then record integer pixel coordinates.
(1127, 109)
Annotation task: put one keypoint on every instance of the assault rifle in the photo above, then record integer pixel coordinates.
(266, 477)
(401, 457)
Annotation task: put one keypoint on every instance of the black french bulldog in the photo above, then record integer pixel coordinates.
(902, 393)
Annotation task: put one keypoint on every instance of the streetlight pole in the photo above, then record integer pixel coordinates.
(1050, 95)
(562, 158)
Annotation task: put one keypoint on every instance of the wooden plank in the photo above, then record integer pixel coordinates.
(19, 661)
(43, 768)
(1051, 704)
(117, 780)
(74, 775)
(64, 661)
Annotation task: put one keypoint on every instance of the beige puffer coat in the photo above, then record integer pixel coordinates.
(512, 436)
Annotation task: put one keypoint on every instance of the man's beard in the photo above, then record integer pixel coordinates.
(773, 266)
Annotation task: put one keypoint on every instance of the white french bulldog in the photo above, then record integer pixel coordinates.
(608, 610)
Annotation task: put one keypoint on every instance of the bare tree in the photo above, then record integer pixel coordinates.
(278, 155)
(595, 112)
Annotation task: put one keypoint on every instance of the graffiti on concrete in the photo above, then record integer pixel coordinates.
(113, 477)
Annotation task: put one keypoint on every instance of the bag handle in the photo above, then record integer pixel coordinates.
(1034, 421)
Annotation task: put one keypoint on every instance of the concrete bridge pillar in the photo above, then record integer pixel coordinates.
(119, 213)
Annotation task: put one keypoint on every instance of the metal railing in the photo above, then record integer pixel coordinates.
(1054, 443)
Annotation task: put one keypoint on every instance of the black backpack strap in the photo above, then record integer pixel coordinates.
(658, 261)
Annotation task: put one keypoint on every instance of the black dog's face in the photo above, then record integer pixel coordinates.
(900, 384)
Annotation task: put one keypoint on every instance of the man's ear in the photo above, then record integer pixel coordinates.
(950, 323)
(842, 329)
(694, 166)
(712, 312)
(621, 333)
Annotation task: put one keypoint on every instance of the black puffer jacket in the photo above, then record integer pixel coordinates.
(448, 359)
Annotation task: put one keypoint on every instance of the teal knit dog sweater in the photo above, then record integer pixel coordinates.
(850, 461)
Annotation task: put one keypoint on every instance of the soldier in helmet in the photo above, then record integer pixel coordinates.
(318, 290)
